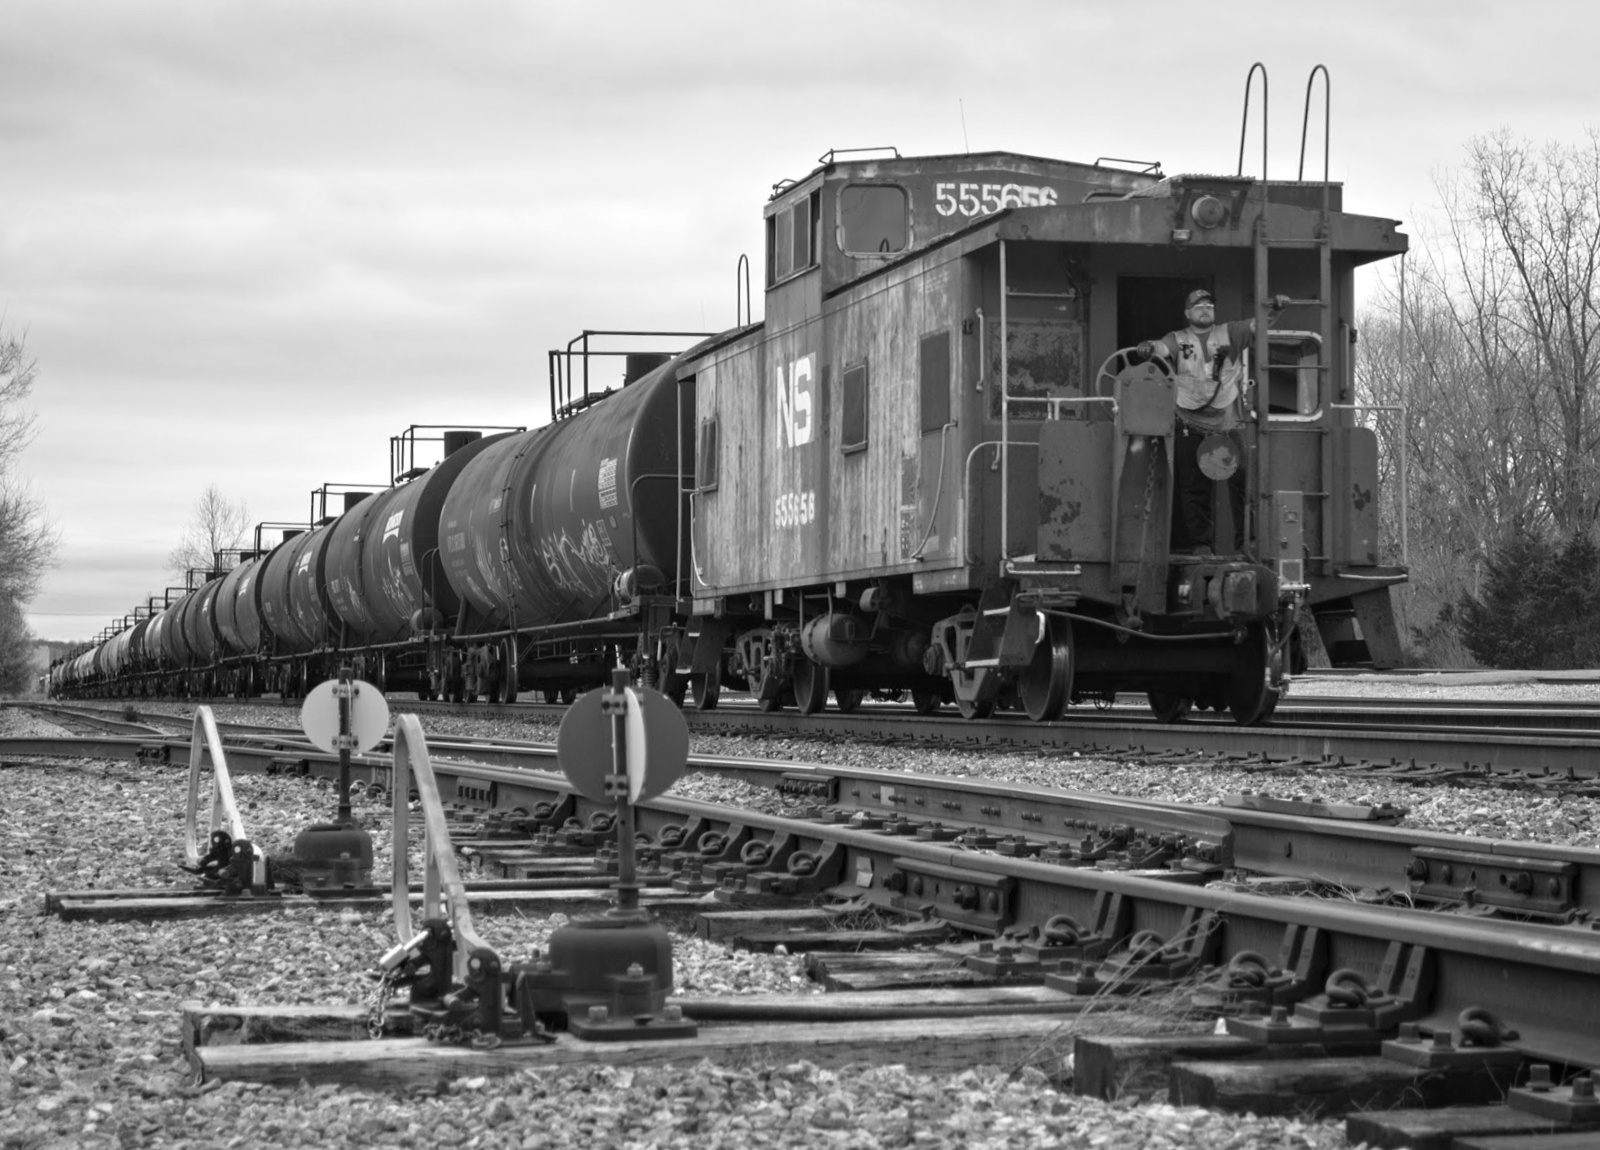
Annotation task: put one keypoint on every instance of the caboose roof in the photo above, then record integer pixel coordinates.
(897, 167)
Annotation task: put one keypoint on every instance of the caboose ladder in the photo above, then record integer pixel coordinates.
(1265, 243)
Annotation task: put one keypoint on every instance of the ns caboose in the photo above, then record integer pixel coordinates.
(935, 467)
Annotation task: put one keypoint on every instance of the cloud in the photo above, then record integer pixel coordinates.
(249, 242)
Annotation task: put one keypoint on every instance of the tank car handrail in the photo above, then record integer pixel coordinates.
(561, 381)
(633, 518)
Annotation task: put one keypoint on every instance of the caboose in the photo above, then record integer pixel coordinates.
(937, 467)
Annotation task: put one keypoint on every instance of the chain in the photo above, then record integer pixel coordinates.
(377, 1001)
(1154, 442)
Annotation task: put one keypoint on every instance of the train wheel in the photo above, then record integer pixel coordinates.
(1256, 685)
(926, 702)
(551, 696)
(848, 701)
(1169, 708)
(704, 689)
(1047, 683)
(569, 695)
(974, 708)
(810, 686)
(976, 691)
(508, 673)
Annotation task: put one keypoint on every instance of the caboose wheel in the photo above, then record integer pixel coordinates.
(976, 690)
(974, 708)
(1254, 688)
(1169, 708)
(810, 686)
(926, 702)
(1046, 685)
(848, 701)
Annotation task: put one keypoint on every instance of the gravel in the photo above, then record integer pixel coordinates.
(89, 1014)
(90, 1049)
(1492, 812)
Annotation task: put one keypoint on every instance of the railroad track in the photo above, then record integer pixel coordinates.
(1394, 742)
(985, 898)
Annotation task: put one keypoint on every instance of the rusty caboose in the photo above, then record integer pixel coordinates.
(936, 468)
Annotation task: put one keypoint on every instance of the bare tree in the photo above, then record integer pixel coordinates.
(27, 542)
(218, 524)
(1494, 346)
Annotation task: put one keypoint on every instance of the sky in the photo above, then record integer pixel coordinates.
(248, 241)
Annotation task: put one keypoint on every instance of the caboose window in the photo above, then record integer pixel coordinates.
(792, 238)
(780, 252)
(706, 458)
(874, 218)
(853, 430)
(802, 246)
(935, 379)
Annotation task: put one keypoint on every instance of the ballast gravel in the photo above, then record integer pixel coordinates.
(90, 1050)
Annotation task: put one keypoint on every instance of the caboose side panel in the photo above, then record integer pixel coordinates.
(894, 345)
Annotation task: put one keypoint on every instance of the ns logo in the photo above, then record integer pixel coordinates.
(794, 401)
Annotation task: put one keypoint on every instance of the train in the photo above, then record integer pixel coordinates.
(936, 470)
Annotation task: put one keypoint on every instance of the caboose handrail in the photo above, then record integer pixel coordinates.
(829, 156)
(1244, 124)
(1005, 417)
(966, 484)
(743, 307)
(1055, 401)
(1327, 122)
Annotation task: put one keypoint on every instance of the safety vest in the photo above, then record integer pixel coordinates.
(1202, 381)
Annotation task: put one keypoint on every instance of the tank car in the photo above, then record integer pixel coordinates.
(562, 542)
(936, 467)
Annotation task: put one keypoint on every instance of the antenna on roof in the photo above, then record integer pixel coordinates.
(965, 143)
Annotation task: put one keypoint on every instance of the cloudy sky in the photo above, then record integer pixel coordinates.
(247, 242)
